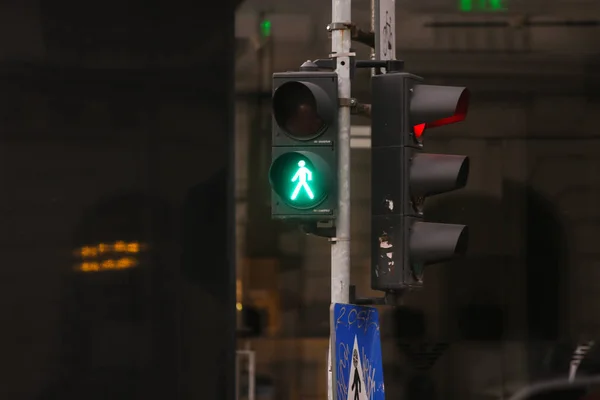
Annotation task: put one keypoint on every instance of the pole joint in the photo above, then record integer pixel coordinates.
(357, 34)
(351, 54)
(362, 109)
(345, 102)
(361, 36)
(339, 239)
(339, 26)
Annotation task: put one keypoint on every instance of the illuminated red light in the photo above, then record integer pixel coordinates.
(462, 105)
(419, 129)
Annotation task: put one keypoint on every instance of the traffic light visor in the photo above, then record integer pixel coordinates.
(432, 174)
(302, 109)
(432, 243)
(434, 105)
(300, 179)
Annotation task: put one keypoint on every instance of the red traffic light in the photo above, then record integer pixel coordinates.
(419, 129)
(433, 105)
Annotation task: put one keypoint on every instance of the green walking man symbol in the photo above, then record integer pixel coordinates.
(302, 176)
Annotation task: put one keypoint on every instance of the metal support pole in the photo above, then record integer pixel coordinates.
(373, 27)
(341, 16)
(250, 383)
(340, 246)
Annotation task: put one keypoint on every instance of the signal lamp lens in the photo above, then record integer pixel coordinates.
(419, 129)
(295, 110)
(300, 181)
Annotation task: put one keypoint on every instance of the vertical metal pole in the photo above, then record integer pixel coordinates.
(237, 375)
(329, 374)
(373, 70)
(341, 17)
(340, 247)
(251, 375)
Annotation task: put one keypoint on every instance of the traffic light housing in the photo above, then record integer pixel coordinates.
(403, 177)
(303, 172)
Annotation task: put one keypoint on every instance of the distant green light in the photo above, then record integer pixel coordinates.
(495, 5)
(465, 5)
(480, 5)
(265, 28)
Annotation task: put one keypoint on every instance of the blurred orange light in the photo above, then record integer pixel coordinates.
(120, 246)
(121, 263)
(125, 262)
(88, 251)
(133, 247)
(90, 266)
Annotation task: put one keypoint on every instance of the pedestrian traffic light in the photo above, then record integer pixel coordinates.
(304, 162)
(403, 177)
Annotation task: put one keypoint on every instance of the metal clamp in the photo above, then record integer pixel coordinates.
(337, 55)
(339, 239)
(346, 102)
(339, 26)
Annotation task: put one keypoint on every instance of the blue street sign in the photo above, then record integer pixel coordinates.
(356, 351)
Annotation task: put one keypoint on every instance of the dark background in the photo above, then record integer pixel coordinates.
(116, 121)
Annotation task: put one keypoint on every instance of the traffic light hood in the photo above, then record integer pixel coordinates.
(432, 243)
(432, 174)
(434, 105)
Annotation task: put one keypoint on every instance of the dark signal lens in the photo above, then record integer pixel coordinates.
(295, 110)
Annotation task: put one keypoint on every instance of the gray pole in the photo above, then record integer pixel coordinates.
(341, 17)
(373, 29)
(340, 246)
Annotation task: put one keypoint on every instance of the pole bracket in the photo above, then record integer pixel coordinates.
(338, 239)
(338, 55)
(321, 229)
(389, 299)
(360, 109)
(365, 37)
(345, 102)
(356, 34)
(339, 26)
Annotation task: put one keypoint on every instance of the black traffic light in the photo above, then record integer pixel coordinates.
(303, 172)
(403, 177)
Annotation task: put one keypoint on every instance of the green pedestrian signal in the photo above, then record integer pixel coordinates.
(298, 182)
(301, 177)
